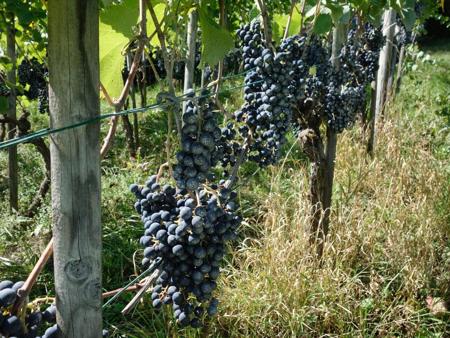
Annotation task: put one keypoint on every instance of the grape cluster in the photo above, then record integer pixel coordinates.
(346, 87)
(341, 105)
(178, 70)
(188, 234)
(200, 134)
(33, 74)
(43, 106)
(33, 323)
(402, 36)
(267, 110)
(228, 149)
(359, 56)
(311, 68)
(11, 325)
(323, 92)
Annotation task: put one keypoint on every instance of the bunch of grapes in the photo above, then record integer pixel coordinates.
(402, 36)
(346, 86)
(43, 106)
(334, 95)
(200, 134)
(145, 70)
(187, 233)
(32, 323)
(11, 325)
(341, 105)
(267, 110)
(311, 68)
(33, 74)
(158, 61)
(228, 149)
(359, 56)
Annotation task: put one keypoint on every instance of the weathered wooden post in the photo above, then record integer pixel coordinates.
(189, 68)
(75, 169)
(379, 97)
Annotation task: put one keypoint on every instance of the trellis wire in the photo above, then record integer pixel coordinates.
(48, 131)
(150, 269)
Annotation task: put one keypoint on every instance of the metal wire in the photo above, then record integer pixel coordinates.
(48, 131)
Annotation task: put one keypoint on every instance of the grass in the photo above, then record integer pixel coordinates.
(387, 253)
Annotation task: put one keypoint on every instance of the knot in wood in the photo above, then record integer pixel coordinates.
(77, 270)
(92, 293)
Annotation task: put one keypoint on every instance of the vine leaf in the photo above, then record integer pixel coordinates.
(323, 23)
(280, 21)
(117, 28)
(408, 14)
(216, 40)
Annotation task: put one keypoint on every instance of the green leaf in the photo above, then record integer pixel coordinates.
(121, 18)
(409, 14)
(216, 40)
(118, 25)
(294, 28)
(311, 12)
(3, 104)
(323, 24)
(254, 13)
(159, 11)
(279, 23)
(5, 60)
(337, 12)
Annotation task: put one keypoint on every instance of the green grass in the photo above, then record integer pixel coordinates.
(389, 245)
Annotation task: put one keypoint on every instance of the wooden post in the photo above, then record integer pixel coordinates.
(385, 60)
(392, 66)
(379, 89)
(189, 68)
(398, 79)
(372, 126)
(13, 175)
(75, 155)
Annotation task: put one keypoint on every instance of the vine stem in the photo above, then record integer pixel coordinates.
(302, 13)
(25, 290)
(221, 63)
(266, 23)
(168, 64)
(288, 24)
(111, 293)
(233, 177)
(118, 104)
(148, 283)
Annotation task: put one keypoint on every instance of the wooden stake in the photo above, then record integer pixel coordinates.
(75, 156)
(25, 290)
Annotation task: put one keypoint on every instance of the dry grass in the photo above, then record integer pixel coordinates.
(382, 258)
